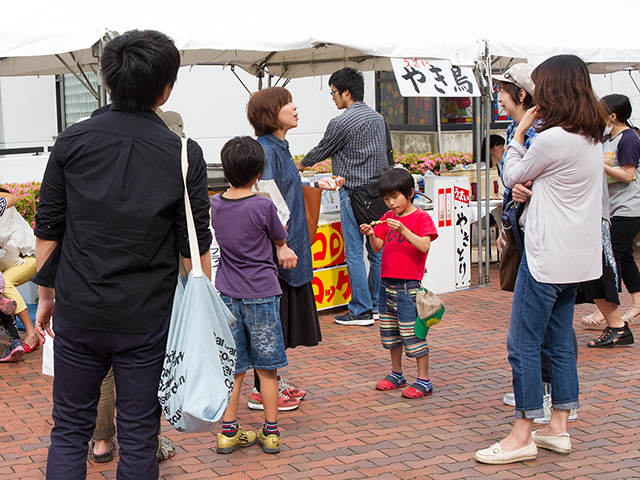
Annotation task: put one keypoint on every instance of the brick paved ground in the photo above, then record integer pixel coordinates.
(345, 429)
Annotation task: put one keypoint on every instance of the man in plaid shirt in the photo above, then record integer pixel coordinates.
(357, 144)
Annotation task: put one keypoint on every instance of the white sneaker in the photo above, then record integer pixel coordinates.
(509, 399)
(573, 414)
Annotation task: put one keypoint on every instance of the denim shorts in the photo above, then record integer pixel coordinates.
(398, 315)
(257, 332)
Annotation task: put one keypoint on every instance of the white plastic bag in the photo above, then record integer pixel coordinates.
(47, 353)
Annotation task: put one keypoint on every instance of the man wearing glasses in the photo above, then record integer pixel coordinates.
(357, 144)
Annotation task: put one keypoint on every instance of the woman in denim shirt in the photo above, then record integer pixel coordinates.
(272, 114)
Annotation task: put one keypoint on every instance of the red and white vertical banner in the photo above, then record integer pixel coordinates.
(462, 236)
(445, 207)
(449, 207)
(441, 208)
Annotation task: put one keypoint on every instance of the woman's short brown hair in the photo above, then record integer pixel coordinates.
(513, 91)
(263, 108)
(565, 98)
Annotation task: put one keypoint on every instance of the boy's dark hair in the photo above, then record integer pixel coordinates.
(348, 79)
(242, 160)
(514, 92)
(396, 180)
(136, 68)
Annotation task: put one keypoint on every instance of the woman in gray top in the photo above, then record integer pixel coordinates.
(621, 149)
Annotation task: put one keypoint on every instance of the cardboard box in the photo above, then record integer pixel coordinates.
(495, 190)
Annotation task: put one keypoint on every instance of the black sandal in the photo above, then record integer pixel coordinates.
(166, 449)
(103, 457)
(611, 337)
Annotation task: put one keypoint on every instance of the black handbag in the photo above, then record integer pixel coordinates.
(366, 203)
(512, 240)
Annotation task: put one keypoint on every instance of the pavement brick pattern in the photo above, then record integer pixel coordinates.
(345, 429)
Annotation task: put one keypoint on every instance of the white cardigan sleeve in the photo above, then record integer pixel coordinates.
(522, 165)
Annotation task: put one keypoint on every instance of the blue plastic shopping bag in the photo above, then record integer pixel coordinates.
(200, 360)
(199, 365)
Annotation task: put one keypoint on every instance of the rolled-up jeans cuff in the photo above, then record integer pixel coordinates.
(537, 413)
(567, 405)
(104, 433)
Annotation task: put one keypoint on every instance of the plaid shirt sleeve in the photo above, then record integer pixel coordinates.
(333, 140)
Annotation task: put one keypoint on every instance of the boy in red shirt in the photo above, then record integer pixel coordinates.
(406, 233)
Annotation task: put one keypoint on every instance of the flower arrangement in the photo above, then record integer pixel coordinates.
(28, 194)
(418, 163)
(320, 167)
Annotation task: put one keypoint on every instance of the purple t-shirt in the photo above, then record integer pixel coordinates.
(244, 228)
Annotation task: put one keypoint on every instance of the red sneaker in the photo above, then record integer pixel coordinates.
(290, 390)
(285, 402)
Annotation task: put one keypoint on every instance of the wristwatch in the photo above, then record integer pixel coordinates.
(316, 184)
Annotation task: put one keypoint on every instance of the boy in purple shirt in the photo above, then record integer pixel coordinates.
(247, 278)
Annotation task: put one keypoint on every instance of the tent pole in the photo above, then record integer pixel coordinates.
(439, 124)
(78, 77)
(488, 117)
(233, 70)
(487, 120)
(477, 140)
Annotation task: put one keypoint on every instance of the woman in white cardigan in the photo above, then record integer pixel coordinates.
(562, 248)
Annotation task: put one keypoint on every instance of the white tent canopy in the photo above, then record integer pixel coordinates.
(604, 35)
(292, 38)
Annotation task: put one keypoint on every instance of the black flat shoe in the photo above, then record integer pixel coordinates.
(611, 337)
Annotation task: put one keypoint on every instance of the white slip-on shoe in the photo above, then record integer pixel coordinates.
(560, 443)
(495, 456)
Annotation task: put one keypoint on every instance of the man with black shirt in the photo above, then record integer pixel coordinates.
(112, 197)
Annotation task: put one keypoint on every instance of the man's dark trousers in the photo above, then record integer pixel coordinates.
(82, 360)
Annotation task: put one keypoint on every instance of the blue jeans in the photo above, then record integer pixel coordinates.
(364, 291)
(257, 333)
(542, 319)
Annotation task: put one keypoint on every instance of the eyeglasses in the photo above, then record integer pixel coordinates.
(333, 92)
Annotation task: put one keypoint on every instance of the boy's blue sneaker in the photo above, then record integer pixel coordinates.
(363, 320)
(13, 353)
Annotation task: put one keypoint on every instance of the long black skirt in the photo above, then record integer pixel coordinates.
(604, 287)
(299, 316)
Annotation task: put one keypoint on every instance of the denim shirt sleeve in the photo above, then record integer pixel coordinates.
(279, 166)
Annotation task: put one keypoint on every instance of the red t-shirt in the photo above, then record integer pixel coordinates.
(400, 259)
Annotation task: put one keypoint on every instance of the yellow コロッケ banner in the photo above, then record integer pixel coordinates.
(331, 287)
(328, 248)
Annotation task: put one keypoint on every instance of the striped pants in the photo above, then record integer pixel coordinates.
(398, 315)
